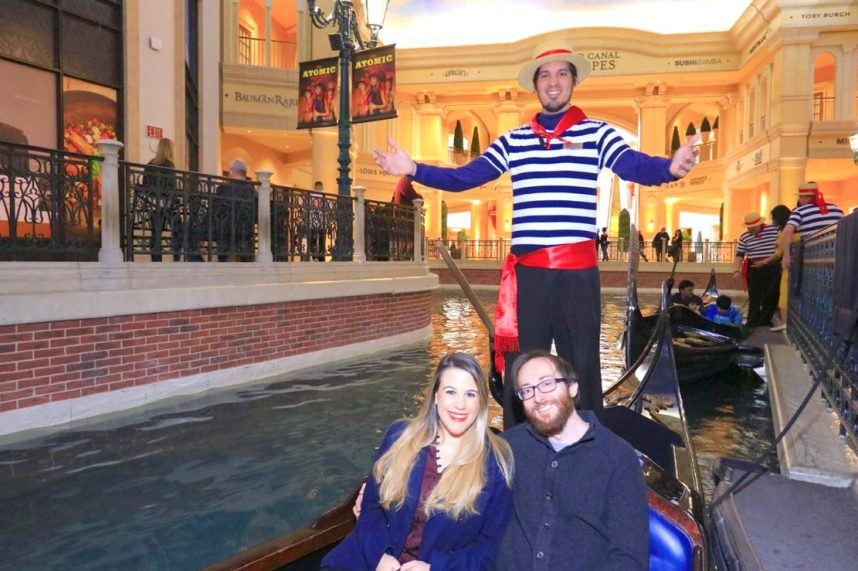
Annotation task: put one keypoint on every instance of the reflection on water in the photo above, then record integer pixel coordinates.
(183, 485)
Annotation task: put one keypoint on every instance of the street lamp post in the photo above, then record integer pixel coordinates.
(344, 41)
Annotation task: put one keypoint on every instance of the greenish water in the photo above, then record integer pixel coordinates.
(188, 483)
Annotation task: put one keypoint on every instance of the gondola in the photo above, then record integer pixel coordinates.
(702, 348)
(644, 407)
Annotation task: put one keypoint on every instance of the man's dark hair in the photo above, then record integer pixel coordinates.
(562, 365)
(724, 301)
(604, 229)
(686, 283)
(571, 68)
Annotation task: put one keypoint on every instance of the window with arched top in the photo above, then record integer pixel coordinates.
(824, 78)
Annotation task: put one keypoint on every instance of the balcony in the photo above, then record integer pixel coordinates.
(252, 51)
(823, 108)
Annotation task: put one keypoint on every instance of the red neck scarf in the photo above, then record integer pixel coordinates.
(577, 256)
(573, 116)
(819, 201)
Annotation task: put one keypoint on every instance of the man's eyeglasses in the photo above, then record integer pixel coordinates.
(545, 386)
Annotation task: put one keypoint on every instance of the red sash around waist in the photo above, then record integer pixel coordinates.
(577, 256)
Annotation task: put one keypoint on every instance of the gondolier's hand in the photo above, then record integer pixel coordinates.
(358, 501)
(685, 157)
(397, 162)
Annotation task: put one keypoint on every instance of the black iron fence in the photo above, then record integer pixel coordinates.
(50, 204)
(389, 231)
(186, 215)
(810, 327)
(308, 225)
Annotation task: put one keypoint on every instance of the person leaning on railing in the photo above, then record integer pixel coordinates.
(227, 211)
(158, 189)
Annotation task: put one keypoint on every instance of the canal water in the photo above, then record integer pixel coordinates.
(188, 483)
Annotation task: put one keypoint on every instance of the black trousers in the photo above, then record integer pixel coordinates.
(764, 291)
(563, 306)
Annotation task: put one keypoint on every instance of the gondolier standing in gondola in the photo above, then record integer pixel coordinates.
(757, 261)
(550, 282)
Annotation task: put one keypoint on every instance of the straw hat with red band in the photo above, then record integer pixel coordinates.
(554, 50)
(808, 189)
(753, 219)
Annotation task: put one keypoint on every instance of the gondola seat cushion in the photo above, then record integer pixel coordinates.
(670, 549)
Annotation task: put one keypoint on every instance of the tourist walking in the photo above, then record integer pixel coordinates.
(675, 248)
(603, 244)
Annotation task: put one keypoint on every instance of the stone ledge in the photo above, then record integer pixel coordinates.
(812, 451)
(200, 288)
(23, 423)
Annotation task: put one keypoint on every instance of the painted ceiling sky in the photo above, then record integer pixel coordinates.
(432, 23)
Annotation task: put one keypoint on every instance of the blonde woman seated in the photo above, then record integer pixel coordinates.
(439, 494)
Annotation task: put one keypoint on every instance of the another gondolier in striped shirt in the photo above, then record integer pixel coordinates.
(811, 214)
(550, 282)
(757, 261)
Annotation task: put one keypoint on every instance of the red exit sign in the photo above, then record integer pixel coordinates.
(154, 132)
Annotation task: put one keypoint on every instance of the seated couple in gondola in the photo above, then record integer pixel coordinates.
(558, 492)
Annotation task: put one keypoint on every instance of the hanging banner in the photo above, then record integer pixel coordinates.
(374, 84)
(319, 91)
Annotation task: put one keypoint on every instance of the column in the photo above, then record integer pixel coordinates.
(477, 220)
(305, 32)
(268, 33)
(508, 113)
(727, 233)
(419, 252)
(360, 224)
(230, 31)
(324, 162)
(433, 199)
(652, 120)
(209, 88)
(429, 141)
(785, 181)
(110, 252)
(264, 254)
(845, 89)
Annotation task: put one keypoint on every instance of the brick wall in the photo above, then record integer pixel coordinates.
(607, 278)
(51, 361)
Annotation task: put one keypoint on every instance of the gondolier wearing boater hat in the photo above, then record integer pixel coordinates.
(757, 261)
(813, 213)
(550, 282)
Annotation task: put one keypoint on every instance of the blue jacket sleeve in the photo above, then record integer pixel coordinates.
(643, 169)
(479, 171)
(373, 529)
(628, 518)
(480, 554)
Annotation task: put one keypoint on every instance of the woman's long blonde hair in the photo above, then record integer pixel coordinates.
(465, 477)
(164, 153)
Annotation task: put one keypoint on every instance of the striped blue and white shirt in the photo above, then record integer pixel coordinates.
(760, 246)
(808, 219)
(554, 190)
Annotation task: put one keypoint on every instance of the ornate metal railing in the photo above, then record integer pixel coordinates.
(389, 231)
(617, 251)
(810, 327)
(50, 204)
(308, 225)
(190, 216)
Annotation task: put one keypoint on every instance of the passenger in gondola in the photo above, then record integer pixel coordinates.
(580, 499)
(723, 311)
(439, 493)
(686, 296)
